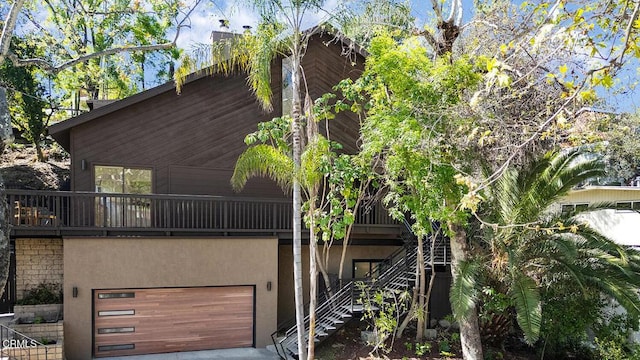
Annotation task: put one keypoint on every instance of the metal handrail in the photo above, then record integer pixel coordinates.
(18, 346)
(140, 212)
(400, 263)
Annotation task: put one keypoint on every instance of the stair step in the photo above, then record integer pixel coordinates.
(396, 285)
(407, 278)
(344, 314)
(328, 326)
(335, 320)
(360, 308)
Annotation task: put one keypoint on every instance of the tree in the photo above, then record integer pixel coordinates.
(26, 102)
(615, 136)
(531, 240)
(53, 66)
(407, 134)
(534, 73)
(279, 34)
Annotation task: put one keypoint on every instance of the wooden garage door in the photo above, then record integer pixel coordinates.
(145, 321)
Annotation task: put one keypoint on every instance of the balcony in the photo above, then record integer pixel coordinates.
(61, 213)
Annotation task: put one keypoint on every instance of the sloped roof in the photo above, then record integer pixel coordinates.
(61, 131)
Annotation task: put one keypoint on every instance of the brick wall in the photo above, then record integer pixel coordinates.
(39, 332)
(37, 261)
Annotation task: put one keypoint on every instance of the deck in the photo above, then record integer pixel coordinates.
(62, 213)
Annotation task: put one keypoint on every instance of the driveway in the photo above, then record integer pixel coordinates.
(245, 353)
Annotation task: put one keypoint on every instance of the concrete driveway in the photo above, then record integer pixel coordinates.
(245, 353)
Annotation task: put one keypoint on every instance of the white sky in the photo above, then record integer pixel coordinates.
(206, 19)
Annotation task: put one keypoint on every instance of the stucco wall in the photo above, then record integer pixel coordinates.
(286, 304)
(38, 261)
(103, 263)
(621, 226)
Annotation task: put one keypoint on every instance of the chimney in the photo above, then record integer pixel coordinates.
(224, 24)
(94, 104)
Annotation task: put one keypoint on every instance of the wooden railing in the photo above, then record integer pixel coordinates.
(133, 212)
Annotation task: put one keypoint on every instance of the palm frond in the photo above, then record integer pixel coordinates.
(249, 53)
(464, 289)
(263, 160)
(526, 298)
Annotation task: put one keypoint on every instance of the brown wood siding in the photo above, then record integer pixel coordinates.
(325, 67)
(175, 319)
(203, 127)
(216, 182)
(202, 130)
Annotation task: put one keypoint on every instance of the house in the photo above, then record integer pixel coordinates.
(154, 251)
(620, 224)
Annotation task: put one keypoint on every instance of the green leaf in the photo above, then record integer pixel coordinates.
(464, 289)
(263, 160)
(526, 297)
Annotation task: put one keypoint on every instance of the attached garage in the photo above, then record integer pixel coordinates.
(160, 320)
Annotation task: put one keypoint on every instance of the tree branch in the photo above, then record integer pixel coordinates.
(437, 10)
(618, 60)
(9, 26)
(49, 67)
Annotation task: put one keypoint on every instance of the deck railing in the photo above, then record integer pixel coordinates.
(135, 212)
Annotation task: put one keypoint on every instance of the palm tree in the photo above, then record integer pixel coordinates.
(279, 34)
(276, 163)
(530, 239)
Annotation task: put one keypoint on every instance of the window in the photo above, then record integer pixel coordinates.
(123, 210)
(122, 180)
(362, 268)
(623, 205)
(566, 208)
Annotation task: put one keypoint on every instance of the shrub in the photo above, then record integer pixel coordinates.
(45, 293)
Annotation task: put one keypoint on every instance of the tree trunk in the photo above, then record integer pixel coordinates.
(345, 241)
(322, 268)
(432, 278)
(412, 309)
(296, 131)
(421, 291)
(7, 32)
(313, 277)
(5, 213)
(469, 329)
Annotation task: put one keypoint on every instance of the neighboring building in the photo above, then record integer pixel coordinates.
(151, 227)
(622, 224)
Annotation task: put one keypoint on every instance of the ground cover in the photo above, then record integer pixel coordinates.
(347, 344)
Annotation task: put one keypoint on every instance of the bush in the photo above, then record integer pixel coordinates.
(44, 293)
(612, 336)
(567, 315)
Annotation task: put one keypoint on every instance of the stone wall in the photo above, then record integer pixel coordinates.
(38, 332)
(38, 261)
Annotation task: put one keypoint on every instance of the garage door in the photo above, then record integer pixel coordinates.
(145, 321)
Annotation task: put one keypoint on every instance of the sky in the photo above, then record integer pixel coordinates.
(206, 19)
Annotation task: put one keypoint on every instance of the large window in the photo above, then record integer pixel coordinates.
(119, 210)
(122, 180)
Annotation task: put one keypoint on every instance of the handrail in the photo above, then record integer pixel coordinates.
(165, 212)
(394, 274)
(18, 346)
